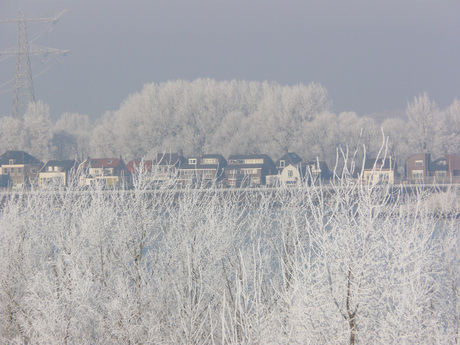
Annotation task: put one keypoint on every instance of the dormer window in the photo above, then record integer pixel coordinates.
(50, 168)
(11, 161)
(282, 164)
(192, 161)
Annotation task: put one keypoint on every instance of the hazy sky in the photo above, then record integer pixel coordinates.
(372, 56)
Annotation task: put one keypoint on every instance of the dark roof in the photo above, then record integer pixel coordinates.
(218, 156)
(250, 156)
(102, 162)
(198, 165)
(245, 166)
(290, 158)
(65, 164)
(221, 162)
(387, 164)
(187, 166)
(20, 157)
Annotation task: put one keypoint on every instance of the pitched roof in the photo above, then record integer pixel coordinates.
(250, 156)
(65, 164)
(217, 155)
(244, 166)
(19, 157)
(289, 158)
(199, 165)
(102, 162)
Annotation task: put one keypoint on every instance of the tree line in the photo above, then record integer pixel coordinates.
(232, 117)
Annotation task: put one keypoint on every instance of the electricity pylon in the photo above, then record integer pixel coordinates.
(23, 81)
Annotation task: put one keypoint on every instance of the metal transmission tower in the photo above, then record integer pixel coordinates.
(23, 82)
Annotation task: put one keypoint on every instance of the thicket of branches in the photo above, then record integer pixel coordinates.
(231, 117)
(349, 262)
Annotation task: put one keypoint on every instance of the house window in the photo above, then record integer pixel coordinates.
(417, 174)
(290, 173)
(5, 170)
(11, 161)
(56, 168)
(441, 174)
(249, 171)
(237, 161)
(253, 161)
(419, 163)
(192, 161)
(12, 170)
(255, 180)
(50, 168)
(19, 170)
(282, 164)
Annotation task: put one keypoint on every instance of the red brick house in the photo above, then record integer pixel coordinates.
(445, 169)
(417, 168)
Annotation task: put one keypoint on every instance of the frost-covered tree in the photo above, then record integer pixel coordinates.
(203, 115)
(423, 120)
(38, 131)
(396, 129)
(103, 140)
(348, 262)
(71, 138)
(451, 132)
(319, 138)
(11, 133)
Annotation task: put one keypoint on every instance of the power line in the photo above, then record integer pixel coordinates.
(23, 83)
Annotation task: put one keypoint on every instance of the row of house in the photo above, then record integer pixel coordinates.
(18, 168)
(236, 171)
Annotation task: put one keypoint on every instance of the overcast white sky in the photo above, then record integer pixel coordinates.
(372, 56)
